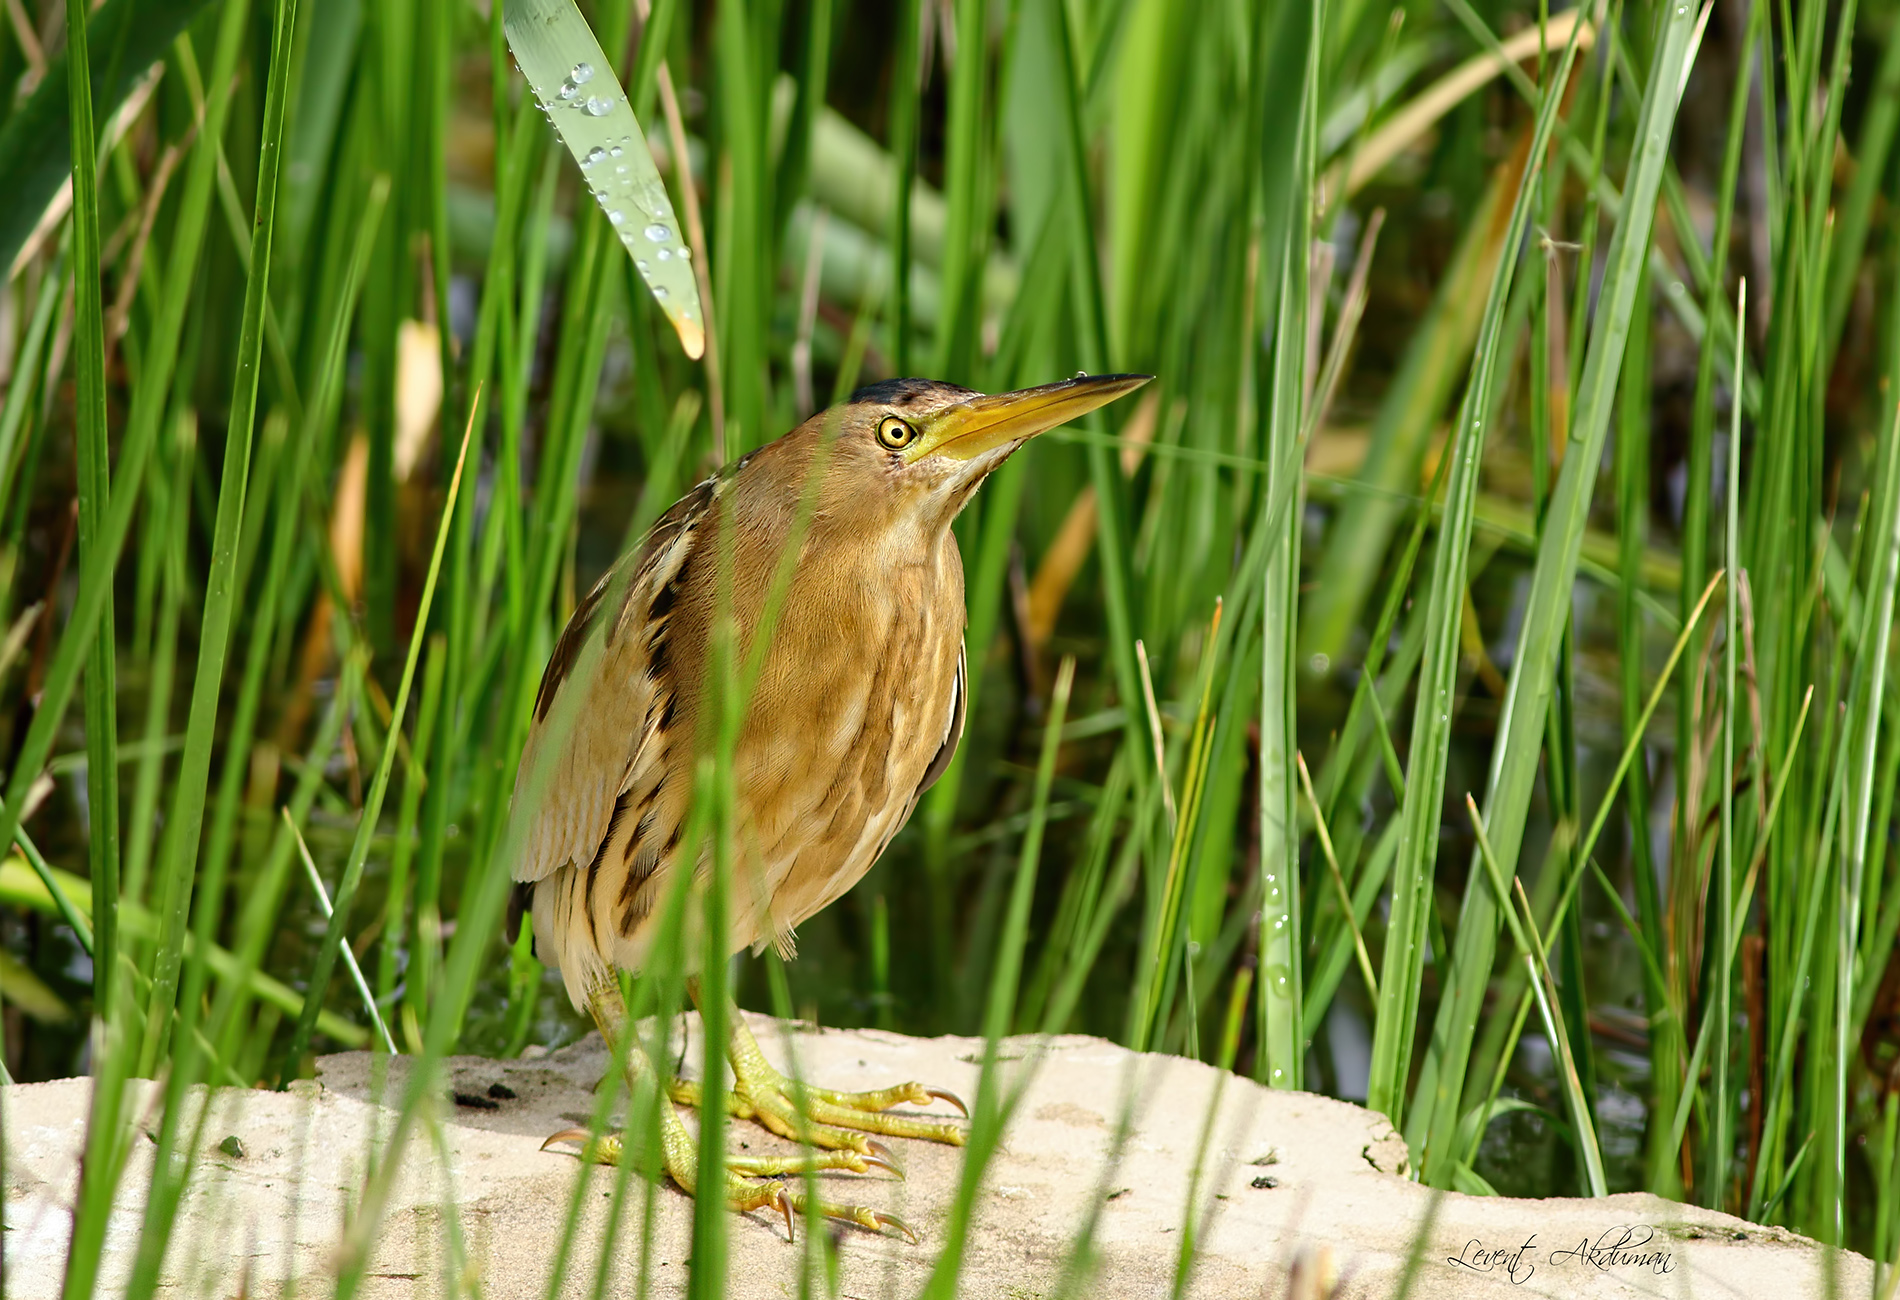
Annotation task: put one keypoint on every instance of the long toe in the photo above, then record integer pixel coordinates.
(836, 1130)
(745, 1194)
(750, 1182)
(863, 1216)
(881, 1099)
(828, 1117)
(883, 1122)
(755, 1182)
(842, 1160)
(825, 1123)
(838, 1120)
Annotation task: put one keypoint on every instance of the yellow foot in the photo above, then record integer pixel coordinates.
(832, 1120)
(754, 1182)
(821, 1117)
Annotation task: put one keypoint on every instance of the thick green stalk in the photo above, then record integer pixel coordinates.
(1867, 711)
(1719, 1010)
(396, 902)
(469, 632)
(1279, 1061)
(967, 193)
(1855, 214)
(387, 107)
(903, 118)
(89, 417)
(104, 1144)
(1687, 837)
(793, 176)
(743, 275)
(1092, 343)
(1632, 494)
(170, 511)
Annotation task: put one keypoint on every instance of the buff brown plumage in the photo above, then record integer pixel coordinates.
(856, 709)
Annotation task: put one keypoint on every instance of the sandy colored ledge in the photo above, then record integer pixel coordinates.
(1287, 1176)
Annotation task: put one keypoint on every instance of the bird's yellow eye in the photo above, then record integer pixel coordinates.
(894, 433)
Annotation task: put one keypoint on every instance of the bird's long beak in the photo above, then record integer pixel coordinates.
(968, 429)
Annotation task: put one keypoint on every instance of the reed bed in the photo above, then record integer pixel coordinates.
(1459, 685)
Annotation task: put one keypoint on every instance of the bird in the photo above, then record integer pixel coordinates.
(815, 583)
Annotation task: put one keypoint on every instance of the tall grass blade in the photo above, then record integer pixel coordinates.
(135, 448)
(349, 955)
(1536, 959)
(1867, 709)
(995, 1101)
(1280, 1061)
(906, 74)
(1339, 881)
(89, 356)
(1521, 725)
(35, 143)
(1431, 723)
(339, 918)
(178, 865)
(1719, 1011)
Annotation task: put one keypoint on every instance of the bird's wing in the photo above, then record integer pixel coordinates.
(611, 710)
(953, 727)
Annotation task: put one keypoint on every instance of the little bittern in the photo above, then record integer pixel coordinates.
(856, 708)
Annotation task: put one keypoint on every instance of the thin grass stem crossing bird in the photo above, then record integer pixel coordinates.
(825, 561)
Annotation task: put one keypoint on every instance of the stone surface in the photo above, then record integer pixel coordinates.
(1285, 1177)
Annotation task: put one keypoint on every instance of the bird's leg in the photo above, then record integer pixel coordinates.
(752, 1182)
(820, 1117)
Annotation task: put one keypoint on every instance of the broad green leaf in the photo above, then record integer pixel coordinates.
(579, 94)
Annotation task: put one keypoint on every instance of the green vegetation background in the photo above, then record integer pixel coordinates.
(1409, 576)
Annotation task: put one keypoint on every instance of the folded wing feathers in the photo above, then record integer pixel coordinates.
(616, 717)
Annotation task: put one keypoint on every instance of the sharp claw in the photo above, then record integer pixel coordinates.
(879, 1162)
(882, 1155)
(892, 1221)
(784, 1203)
(944, 1094)
(579, 1135)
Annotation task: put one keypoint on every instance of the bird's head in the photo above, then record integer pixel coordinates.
(920, 447)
